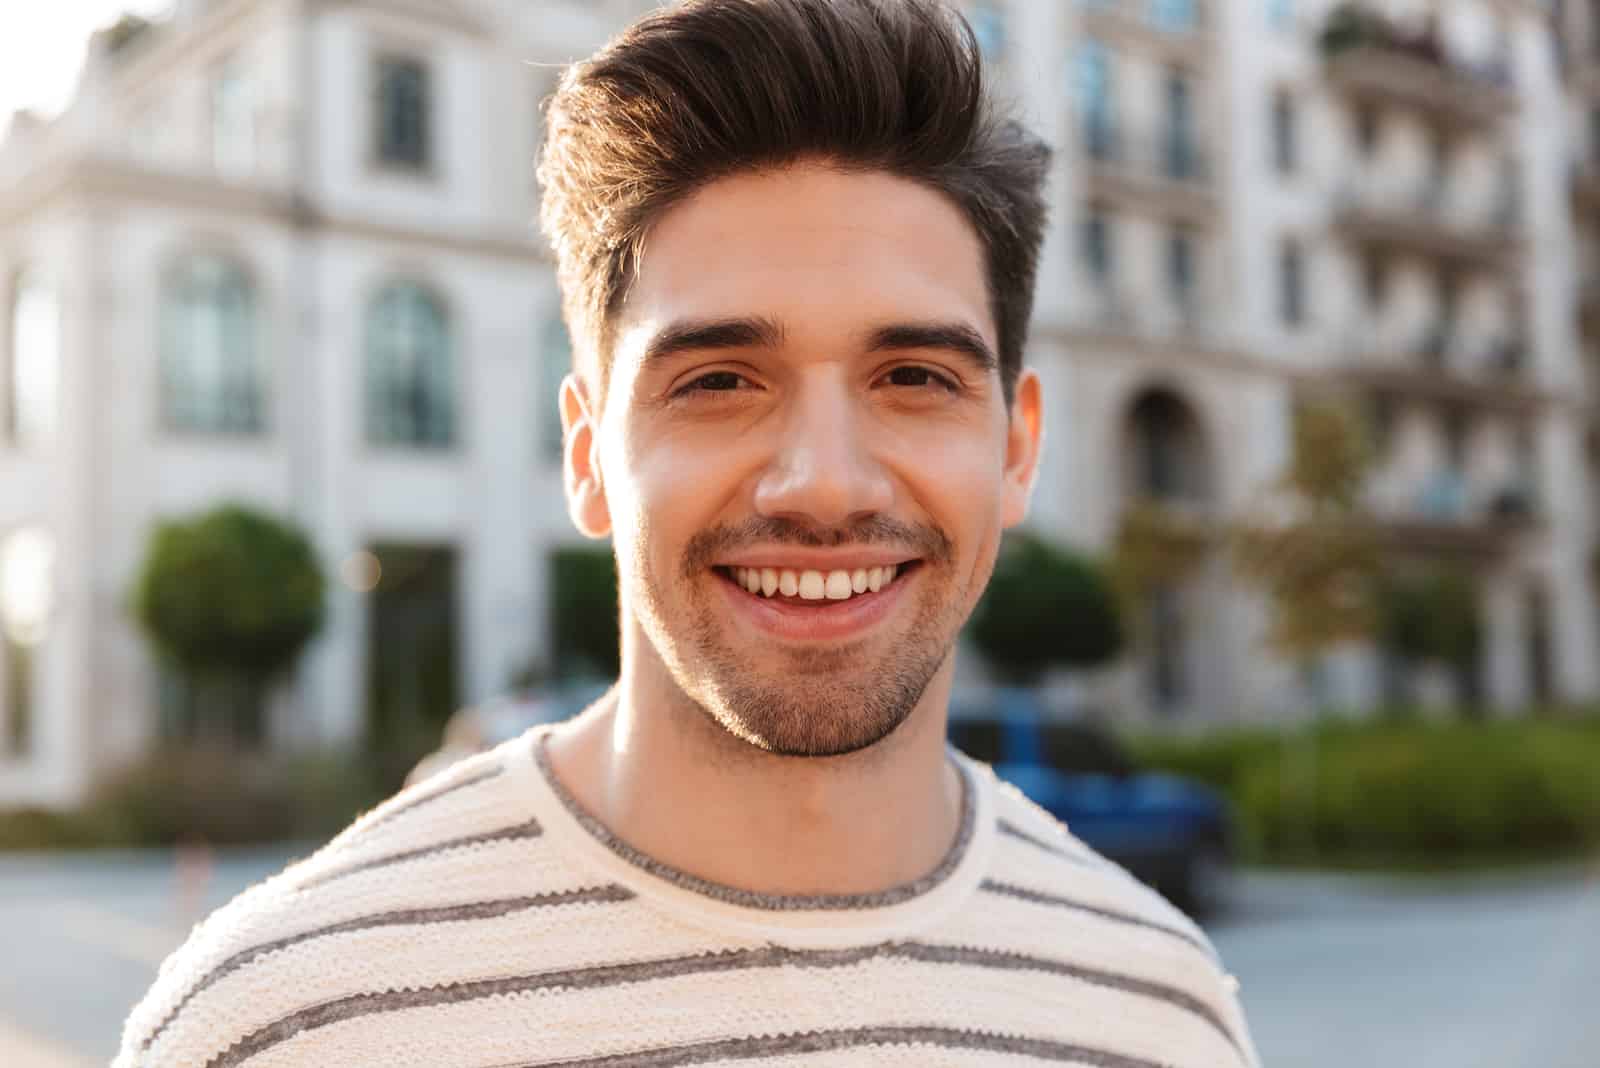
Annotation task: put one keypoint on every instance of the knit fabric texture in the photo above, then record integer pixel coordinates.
(483, 919)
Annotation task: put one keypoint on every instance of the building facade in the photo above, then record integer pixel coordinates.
(283, 252)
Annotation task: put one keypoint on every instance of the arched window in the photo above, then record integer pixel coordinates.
(410, 376)
(33, 374)
(211, 380)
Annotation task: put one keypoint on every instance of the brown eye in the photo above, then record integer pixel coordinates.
(919, 377)
(715, 382)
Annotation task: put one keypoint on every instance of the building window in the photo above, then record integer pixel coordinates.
(554, 364)
(1097, 248)
(988, 22)
(33, 375)
(27, 563)
(233, 134)
(211, 380)
(1284, 146)
(1291, 284)
(1367, 130)
(403, 127)
(1182, 157)
(1094, 93)
(1375, 280)
(1174, 16)
(1180, 269)
(410, 374)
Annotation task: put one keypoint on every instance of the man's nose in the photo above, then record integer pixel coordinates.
(823, 471)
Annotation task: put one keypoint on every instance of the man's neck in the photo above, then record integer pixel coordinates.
(676, 786)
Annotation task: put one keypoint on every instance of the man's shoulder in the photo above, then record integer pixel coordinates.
(1037, 858)
(433, 856)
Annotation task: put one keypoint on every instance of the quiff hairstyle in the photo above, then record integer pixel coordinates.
(706, 89)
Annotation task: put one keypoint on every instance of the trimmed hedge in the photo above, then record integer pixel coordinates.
(221, 798)
(1407, 794)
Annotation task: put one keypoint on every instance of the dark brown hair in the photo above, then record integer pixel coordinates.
(705, 89)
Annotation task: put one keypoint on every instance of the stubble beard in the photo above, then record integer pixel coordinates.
(800, 702)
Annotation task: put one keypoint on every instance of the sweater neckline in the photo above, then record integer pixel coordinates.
(827, 920)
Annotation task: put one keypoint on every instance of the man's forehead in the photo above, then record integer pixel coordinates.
(809, 247)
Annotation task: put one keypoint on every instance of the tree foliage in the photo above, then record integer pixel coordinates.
(1155, 547)
(1045, 607)
(231, 591)
(1430, 616)
(229, 598)
(1311, 548)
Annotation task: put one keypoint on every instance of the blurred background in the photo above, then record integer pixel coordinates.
(1303, 627)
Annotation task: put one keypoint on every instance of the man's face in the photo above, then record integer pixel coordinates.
(805, 458)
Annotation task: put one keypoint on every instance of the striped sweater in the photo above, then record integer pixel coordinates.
(483, 919)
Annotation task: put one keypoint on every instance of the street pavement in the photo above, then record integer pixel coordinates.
(1495, 971)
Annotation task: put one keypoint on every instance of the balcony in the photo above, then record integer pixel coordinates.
(1424, 223)
(1175, 29)
(1163, 319)
(1371, 60)
(1164, 175)
(1439, 519)
(1444, 370)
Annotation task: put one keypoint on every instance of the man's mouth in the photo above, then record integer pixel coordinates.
(815, 587)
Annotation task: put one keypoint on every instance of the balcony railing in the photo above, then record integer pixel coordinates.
(1423, 221)
(1369, 57)
(1443, 367)
(1173, 21)
(1166, 174)
(1442, 515)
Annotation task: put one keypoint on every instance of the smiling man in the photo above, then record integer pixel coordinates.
(797, 249)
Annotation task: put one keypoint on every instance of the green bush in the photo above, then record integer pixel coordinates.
(1044, 606)
(229, 598)
(1392, 792)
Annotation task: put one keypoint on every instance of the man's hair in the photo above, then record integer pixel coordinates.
(707, 89)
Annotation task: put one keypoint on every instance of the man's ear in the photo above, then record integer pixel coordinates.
(1024, 442)
(580, 436)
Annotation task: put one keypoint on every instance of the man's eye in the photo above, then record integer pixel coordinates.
(715, 382)
(920, 377)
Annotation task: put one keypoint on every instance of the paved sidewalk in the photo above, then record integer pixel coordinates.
(19, 1050)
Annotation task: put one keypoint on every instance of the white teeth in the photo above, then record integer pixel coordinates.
(812, 586)
(838, 588)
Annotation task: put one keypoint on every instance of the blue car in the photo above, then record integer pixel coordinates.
(1173, 834)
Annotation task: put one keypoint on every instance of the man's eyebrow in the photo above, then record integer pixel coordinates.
(699, 335)
(957, 338)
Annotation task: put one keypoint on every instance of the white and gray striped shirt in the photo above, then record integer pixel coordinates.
(482, 919)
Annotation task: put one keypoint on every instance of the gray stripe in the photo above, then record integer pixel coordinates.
(1083, 857)
(479, 910)
(529, 829)
(423, 797)
(1041, 898)
(354, 1006)
(762, 1046)
(772, 902)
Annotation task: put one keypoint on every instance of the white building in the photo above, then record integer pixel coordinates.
(282, 251)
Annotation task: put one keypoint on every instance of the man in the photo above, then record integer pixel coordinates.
(797, 251)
